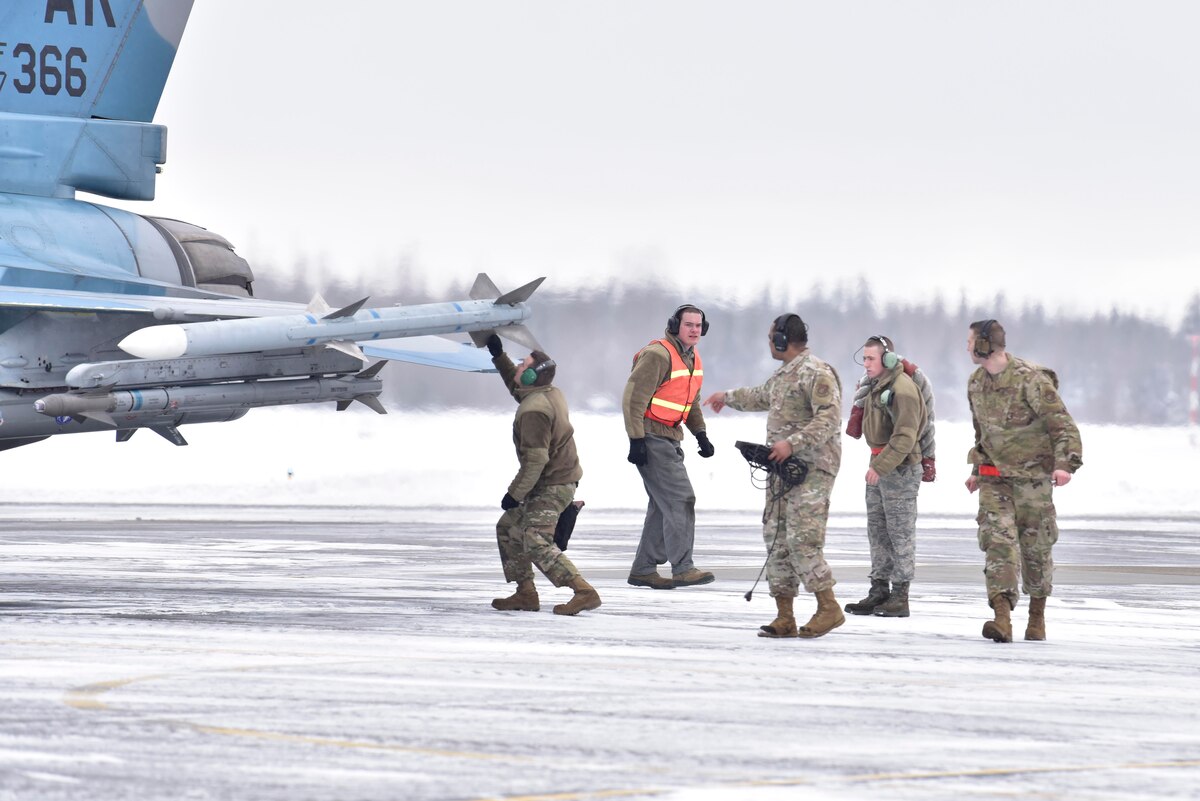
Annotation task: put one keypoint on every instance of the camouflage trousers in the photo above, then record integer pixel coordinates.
(526, 536)
(892, 524)
(794, 532)
(1017, 521)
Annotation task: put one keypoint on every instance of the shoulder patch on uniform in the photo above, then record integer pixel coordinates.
(823, 390)
(1049, 395)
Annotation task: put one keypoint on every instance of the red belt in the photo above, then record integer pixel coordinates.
(876, 451)
(988, 470)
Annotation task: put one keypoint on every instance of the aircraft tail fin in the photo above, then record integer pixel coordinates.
(90, 59)
(80, 81)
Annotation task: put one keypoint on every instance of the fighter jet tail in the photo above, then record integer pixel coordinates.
(79, 85)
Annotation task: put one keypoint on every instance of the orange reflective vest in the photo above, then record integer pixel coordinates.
(672, 401)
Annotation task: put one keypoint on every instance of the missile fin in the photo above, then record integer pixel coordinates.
(372, 402)
(480, 338)
(347, 311)
(99, 417)
(123, 434)
(373, 370)
(343, 405)
(484, 289)
(348, 348)
(318, 305)
(170, 434)
(520, 294)
(521, 335)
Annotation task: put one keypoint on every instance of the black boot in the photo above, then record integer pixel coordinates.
(875, 596)
(897, 603)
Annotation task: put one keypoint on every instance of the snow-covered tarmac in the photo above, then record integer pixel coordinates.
(296, 606)
(171, 653)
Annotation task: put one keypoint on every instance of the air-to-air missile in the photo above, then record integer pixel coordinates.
(340, 329)
(143, 407)
(209, 371)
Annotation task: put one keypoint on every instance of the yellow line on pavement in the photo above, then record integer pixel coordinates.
(864, 778)
(87, 697)
(336, 742)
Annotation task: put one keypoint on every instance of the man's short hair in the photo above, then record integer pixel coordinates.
(794, 328)
(992, 331)
(880, 341)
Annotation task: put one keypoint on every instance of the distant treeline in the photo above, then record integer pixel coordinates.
(1113, 368)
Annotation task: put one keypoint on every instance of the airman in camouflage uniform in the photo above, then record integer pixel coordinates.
(542, 489)
(1025, 444)
(803, 401)
(894, 417)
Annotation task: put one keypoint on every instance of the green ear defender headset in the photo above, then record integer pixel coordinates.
(889, 358)
(531, 373)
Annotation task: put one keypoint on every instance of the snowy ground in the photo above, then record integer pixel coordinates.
(462, 458)
(190, 623)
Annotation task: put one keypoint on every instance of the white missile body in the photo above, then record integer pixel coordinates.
(306, 330)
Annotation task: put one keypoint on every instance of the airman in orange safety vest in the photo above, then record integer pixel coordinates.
(662, 396)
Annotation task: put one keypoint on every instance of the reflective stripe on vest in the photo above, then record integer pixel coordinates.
(672, 401)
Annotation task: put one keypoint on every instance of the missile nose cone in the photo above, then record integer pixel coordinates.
(51, 406)
(156, 342)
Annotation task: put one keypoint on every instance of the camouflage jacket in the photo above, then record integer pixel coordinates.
(803, 402)
(542, 434)
(652, 367)
(1021, 425)
(895, 426)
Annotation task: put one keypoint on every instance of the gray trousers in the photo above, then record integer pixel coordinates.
(670, 527)
(892, 524)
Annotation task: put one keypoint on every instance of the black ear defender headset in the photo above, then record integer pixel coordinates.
(983, 339)
(675, 319)
(779, 339)
(531, 373)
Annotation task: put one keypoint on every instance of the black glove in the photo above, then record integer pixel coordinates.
(706, 447)
(637, 452)
(509, 502)
(495, 346)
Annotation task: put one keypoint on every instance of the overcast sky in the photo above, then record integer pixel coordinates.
(1045, 149)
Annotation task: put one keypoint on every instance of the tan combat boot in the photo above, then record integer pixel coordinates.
(585, 598)
(784, 624)
(1000, 629)
(827, 617)
(525, 599)
(692, 577)
(1036, 628)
